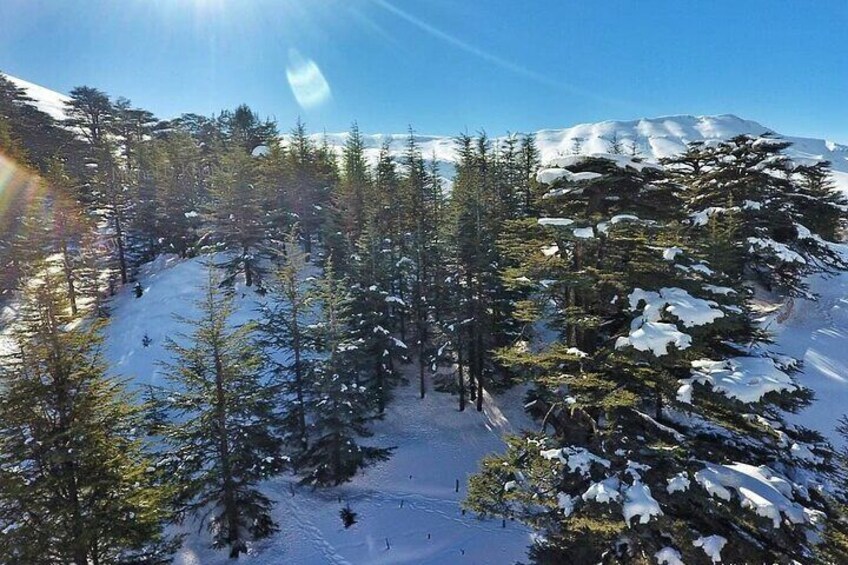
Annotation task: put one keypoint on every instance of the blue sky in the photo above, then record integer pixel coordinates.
(446, 66)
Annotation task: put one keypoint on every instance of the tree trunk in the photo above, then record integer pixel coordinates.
(248, 272)
(461, 376)
(479, 363)
(381, 388)
(421, 365)
(472, 373)
(69, 278)
(228, 492)
(337, 458)
(119, 237)
(79, 550)
(659, 402)
(298, 384)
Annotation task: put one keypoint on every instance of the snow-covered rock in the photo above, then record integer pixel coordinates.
(669, 556)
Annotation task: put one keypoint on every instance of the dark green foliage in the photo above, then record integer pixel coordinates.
(610, 240)
(777, 215)
(218, 418)
(285, 333)
(76, 484)
(237, 212)
(339, 400)
(379, 352)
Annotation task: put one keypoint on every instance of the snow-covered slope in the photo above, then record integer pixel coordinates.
(410, 500)
(816, 333)
(653, 137)
(46, 100)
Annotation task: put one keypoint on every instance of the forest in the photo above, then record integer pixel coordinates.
(623, 292)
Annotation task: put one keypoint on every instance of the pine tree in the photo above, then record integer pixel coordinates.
(285, 332)
(529, 163)
(76, 483)
(243, 128)
(339, 402)
(22, 231)
(421, 245)
(750, 183)
(640, 417)
(480, 208)
(218, 418)
(172, 174)
(72, 237)
(380, 352)
(821, 207)
(313, 174)
(91, 112)
(276, 176)
(237, 212)
(354, 187)
(387, 211)
(37, 135)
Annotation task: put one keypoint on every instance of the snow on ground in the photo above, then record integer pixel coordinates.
(411, 499)
(817, 333)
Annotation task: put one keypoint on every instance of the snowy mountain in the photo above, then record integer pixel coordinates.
(48, 101)
(652, 138)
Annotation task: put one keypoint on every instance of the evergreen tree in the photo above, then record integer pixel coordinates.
(529, 163)
(421, 246)
(640, 415)
(354, 187)
(22, 231)
(338, 400)
(387, 213)
(37, 135)
(76, 485)
(92, 113)
(379, 351)
(750, 184)
(479, 212)
(237, 213)
(821, 207)
(72, 237)
(218, 417)
(243, 128)
(172, 174)
(285, 332)
(312, 176)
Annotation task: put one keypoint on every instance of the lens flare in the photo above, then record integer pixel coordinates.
(306, 81)
(20, 190)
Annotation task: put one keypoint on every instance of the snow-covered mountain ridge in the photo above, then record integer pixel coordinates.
(652, 138)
